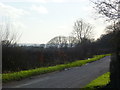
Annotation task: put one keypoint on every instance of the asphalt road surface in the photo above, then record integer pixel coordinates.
(76, 77)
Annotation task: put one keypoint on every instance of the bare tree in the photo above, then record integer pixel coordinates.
(58, 41)
(72, 41)
(82, 30)
(113, 27)
(108, 8)
(7, 37)
(111, 10)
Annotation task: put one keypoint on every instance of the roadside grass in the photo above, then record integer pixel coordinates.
(7, 77)
(99, 82)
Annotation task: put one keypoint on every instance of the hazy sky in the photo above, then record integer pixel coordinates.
(38, 21)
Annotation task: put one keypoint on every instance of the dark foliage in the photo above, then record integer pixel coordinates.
(16, 58)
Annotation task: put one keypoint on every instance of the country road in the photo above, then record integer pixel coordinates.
(76, 77)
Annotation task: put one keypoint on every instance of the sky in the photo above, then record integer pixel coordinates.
(38, 21)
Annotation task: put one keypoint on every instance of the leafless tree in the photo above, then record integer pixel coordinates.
(58, 41)
(113, 27)
(111, 10)
(108, 8)
(7, 37)
(82, 30)
(72, 41)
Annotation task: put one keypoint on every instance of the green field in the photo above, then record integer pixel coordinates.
(99, 82)
(27, 73)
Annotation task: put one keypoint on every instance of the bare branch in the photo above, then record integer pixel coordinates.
(82, 30)
(108, 9)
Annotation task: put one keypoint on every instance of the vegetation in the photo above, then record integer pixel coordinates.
(27, 73)
(110, 9)
(62, 52)
(59, 50)
(99, 82)
(17, 58)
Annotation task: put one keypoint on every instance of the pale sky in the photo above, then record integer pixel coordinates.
(38, 21)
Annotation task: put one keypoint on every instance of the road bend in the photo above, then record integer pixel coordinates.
(76, 77)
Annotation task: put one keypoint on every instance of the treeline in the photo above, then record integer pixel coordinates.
(16, 58)
(60, 49)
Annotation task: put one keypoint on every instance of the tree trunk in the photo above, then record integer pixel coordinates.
(115, 65)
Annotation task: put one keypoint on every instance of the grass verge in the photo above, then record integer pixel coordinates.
(100, 82)
(27, 73)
